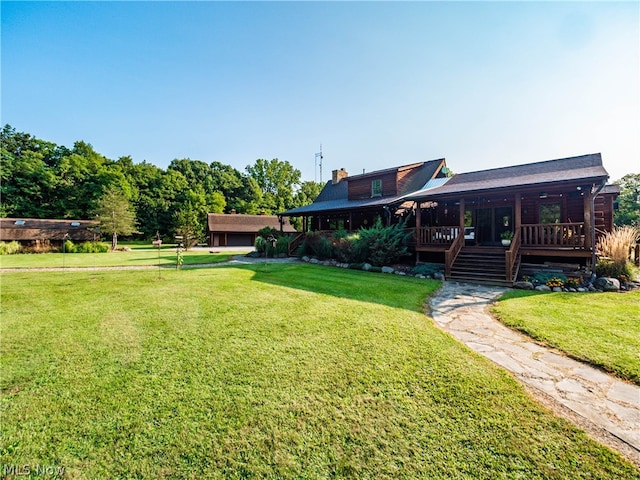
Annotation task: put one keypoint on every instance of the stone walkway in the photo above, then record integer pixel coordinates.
(606, 407)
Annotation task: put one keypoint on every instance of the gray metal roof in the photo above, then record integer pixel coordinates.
(587, 168)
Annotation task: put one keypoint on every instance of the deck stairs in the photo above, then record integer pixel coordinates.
(480, 265)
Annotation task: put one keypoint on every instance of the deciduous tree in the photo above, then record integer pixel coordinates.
(115, 214)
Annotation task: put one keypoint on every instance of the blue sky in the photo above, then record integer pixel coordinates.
(379, 84)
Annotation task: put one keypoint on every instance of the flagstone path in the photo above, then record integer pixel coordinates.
(606, 407)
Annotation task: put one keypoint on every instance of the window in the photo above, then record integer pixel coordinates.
(376, 188)
(19, 223)
(75, 224)
(550, 213)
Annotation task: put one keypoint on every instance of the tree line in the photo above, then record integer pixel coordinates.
(40, 179)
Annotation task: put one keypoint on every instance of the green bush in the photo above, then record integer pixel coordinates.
(609, 268)
(345, 249)
(541, 278)
(69, 247)
(426, 269)
(9, 248)
(92, 247)
(282, 245)
(383, 245)
(260, 244)
(319, 245)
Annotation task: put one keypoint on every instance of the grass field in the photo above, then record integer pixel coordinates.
(138, 256)
(263, 371)
(602, 329)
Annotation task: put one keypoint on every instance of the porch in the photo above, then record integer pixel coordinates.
(467, 257)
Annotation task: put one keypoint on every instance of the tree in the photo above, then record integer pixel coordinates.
(307, 193)
(277, 180)
(115, 214)
(628, 212)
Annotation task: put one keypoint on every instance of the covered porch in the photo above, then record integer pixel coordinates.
(561, 222)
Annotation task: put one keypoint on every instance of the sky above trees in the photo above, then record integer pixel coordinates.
(379, 84)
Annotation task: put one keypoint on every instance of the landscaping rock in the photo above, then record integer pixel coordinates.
(305, 259)
(523, 285)
(607, 284)
(399, 273)
(387, 270)
(366, 266)
(438, 276)
(543, 288)
(581, 289)
(557, 289)
(314, 260)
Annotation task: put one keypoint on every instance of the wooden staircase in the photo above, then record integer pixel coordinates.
(480, 265)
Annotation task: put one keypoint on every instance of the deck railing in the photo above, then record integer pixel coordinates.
(437, 235)
(452, 252)
(511, 256)
(552, 235)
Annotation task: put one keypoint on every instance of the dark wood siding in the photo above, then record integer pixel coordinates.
(361, 188)
(604, 211)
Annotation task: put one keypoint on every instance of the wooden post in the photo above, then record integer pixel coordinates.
(588, 217)
(517, 214)
(418, 223)
(461, 221)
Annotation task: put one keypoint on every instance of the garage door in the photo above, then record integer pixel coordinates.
(240, 240)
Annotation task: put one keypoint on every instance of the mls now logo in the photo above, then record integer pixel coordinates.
(26, 470)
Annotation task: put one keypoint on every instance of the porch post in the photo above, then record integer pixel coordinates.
(461, 220)
(588, 215)
(517, 219)
(350, 220)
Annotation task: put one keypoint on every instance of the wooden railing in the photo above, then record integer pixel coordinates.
(554, 235)
(437, 235)
(510, 257)
(295, 243)
(452, 252)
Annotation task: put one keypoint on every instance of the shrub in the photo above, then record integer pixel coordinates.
(613, 248)
(282, 245)
(541, 278)
(260, 244)
(345, 249)
(92, 247)
(9, 248)
(383, 245)
(69, 247)
(608, 268)
(573, 282)
(319, 245)
(426, 269)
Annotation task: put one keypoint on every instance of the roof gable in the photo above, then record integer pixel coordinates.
(335, 196)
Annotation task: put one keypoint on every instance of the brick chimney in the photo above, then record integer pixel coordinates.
(338, 175)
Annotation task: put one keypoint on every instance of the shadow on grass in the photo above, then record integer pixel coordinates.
(391, 290)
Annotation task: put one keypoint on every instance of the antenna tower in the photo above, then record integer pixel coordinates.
(319, 156)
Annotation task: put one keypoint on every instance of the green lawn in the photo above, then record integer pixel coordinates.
(600, 328)
(138, 256)
(263, 371)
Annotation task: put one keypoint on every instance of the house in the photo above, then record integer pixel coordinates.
(40, 232)
(552, 211)
(351, 202)
(235, 230)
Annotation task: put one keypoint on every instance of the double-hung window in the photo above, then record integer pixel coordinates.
(376, 188)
